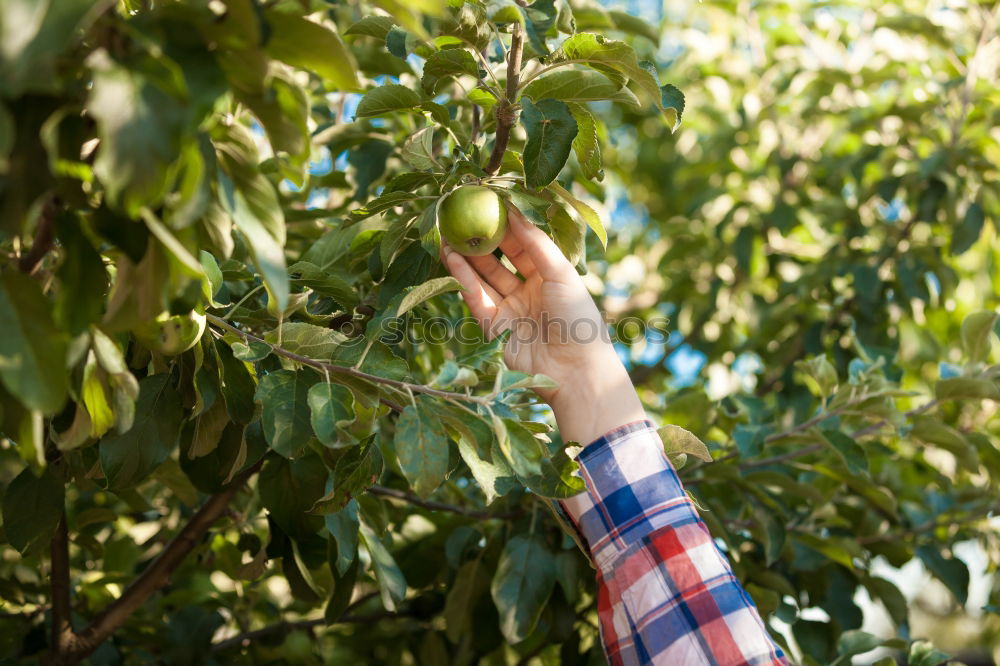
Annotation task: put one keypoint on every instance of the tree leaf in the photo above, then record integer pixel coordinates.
(551, 129)
(569, 234)
(32, 507)
(521, 585)
(635, 25)
(447, 63)
(288, 490)
(386, 99)
(356, 470)
(418, 149)
(951, 571)
(470, 583)
(977, 330)
(285, 416)
(586, 213)
(426, 291)
(966, 388)
(130, 457)
(967, 232)
(303, 43)
(522, 450)
(678, 440)
(586, 144)
(572, 85)
(421, 447)
(238, 385)
(372, 26)
(343, 527)
(330, 406)
(32, 349)
(391, 583)
(314, 342)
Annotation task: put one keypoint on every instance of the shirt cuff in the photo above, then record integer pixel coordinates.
(632, 490)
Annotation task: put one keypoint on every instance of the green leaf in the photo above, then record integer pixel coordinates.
(32, 349)
(382, 204)
(569, 234)
(444, 64)
(32, 507)
(303, 43)
(285, 416)
(324, 282)
(141, 127)
(288, 489)
(482, 98)
(922, 653)
(398, 41)
(426, 291)
(238, 385)
(372, 26)
(559, 478)
(586, 144)
(422, 447)
(130, 457)
(574, 85)
(343, 526)
(936, 433)
(522, 450)
(470, 583)
(672, 103)
(678, 440)
(521, 585)
(586, 213)
(386, 99)
(356, 470)
(283, 110)
(391, 583)
(849, 451)
(635, 25)
(539, 17)
(418, 149)
(314, 342)
(951, 571)
(551, 129)
(331, 406)
(83, 280)
(966, 388)
(977, 331)
(968, 230)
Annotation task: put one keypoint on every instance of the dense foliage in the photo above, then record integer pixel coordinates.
(337, 467)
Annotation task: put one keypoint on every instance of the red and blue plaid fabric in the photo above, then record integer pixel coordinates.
(666, 593)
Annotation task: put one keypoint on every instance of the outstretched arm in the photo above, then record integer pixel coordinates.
(666, 594)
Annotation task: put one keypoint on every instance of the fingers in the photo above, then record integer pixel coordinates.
(547, 259)
(496, 274)
(481, 298)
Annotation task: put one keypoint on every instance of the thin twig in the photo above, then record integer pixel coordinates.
(156, 575)
(44, 237)
(382, 491)
(343, 370)
(506, 113)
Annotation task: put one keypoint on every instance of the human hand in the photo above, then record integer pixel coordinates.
(556, 329)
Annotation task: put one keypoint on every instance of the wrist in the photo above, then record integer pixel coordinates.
(597, 399)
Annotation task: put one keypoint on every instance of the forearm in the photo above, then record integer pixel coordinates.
(599, 399)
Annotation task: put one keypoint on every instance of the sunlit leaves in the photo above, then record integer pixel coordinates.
(447, 63)
(977, 334)
(309, 45)
(391, 583)
(426, 291)
(551, 129)
(330, 406)
(677, 440)
(386, 99)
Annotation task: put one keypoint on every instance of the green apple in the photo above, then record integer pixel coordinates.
(473, 220)
(171, 335)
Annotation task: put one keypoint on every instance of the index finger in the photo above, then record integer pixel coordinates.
(547, 258)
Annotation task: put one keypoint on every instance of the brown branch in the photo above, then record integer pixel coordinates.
(44, 237)
(506, 112)
(156, 575)
(382, 491)
(247, 638)
(62, 627)
(343, 370)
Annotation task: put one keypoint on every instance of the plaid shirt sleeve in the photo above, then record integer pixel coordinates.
(666, 593)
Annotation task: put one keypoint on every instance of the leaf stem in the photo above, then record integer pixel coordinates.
(393, 493)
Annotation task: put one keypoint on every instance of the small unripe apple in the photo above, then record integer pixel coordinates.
(171, 335)
(473, 220)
